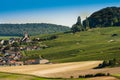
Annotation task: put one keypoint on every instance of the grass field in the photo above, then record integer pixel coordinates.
(117, 75)
(95, 44)
(8, 37)
(11, 76)
(103, 78)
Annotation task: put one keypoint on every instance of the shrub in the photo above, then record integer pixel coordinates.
(15, 44)
(108, 74)
(81, 76)
(99, 74)
(71, 76)
(89, 75)
(94, 75)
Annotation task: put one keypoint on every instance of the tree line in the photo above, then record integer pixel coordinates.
(31, 29)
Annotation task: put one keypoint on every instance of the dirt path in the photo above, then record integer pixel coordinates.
(48, 69)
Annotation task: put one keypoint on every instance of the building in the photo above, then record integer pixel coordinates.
(36, 61)
(26, 38)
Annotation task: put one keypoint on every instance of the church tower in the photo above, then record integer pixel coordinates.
(26, 37)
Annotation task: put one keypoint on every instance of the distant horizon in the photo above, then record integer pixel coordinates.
(58, 12)
(34, 23)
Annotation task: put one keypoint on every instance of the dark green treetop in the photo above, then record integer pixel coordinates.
(78, 26)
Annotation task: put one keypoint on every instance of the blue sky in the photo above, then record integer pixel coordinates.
(62, 12)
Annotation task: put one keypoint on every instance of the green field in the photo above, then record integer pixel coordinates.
(117, 76)
(8, 76)
(11, 76)
(8, 37)
(95, 44)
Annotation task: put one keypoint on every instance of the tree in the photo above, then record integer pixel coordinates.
(16, 49)
(15, 44)
(7, 47)
(78, 26)
(106, 17)
(6, 42)
(86, 24)
(112, 62)
(111, 23)
(115, 20)
(75, 28)
(79, 21)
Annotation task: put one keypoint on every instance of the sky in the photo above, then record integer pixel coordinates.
(61, 12)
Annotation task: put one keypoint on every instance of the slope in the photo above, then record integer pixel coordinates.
(95, 44)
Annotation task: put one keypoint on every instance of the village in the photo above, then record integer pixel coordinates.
(11, 51)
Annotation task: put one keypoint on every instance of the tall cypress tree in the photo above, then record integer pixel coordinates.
(78, 26)
(87, 24)
(79, 21)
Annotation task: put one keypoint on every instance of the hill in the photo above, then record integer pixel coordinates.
(106, 17)
(31, 28)
(94, 44)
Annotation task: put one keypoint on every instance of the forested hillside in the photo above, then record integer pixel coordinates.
(106, 17)
(31, 28)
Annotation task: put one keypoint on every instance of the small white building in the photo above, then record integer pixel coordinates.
(2, 42)
(44, 61)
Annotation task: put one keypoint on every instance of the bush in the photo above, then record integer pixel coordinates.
(110, 63)
(108, 74)
(99, 74)
(81, 76)
(89, 75)
(92, 75)
(71, 76)
(15, 44)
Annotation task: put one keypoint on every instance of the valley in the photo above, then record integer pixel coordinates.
(89, 50)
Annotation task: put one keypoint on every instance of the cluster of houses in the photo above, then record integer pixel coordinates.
(11, 58)
(11, 55)
(28, 48)
(26, 38)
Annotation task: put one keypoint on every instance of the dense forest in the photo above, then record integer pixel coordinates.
(31, 28)
(106, 17)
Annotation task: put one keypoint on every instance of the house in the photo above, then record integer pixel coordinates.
(28, 48)
(36, 61)
(16, 58)
(19, 63)
(26, 38)
(11, 40)
(11, 55)
(44, 61)
(32, 61)
(2, 42)
(11, 62)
